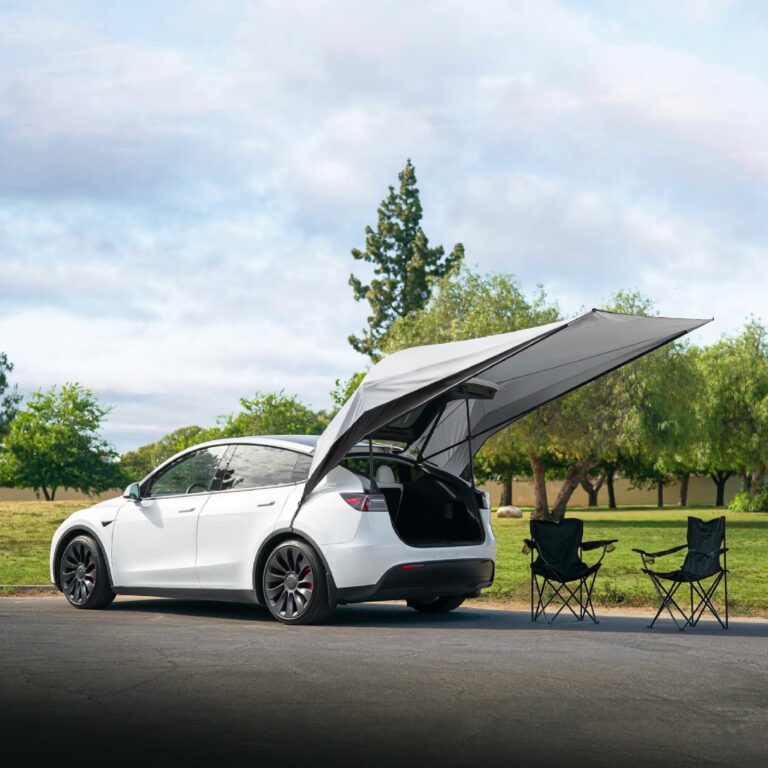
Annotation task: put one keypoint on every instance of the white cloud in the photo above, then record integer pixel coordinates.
(176, 219)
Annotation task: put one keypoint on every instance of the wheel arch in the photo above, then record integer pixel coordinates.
(277, 537)
(73, 533)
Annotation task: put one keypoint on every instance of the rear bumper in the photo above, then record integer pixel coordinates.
(411, 581)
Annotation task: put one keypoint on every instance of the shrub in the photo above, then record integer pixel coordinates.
(750, 502)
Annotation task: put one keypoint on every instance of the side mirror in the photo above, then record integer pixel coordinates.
(133, 492)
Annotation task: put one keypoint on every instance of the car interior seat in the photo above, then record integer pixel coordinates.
(392, 490)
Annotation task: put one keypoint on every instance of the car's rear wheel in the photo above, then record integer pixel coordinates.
(295, 585)
(437, 604)
(83, 574)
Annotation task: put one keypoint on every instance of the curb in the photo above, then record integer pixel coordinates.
(22, 588)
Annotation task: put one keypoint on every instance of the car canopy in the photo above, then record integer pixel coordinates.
(446, 400)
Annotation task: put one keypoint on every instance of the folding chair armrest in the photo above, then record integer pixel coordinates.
(529, 545)
(587, 546)
(662, 553)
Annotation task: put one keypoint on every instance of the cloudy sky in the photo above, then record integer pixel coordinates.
(181, 182)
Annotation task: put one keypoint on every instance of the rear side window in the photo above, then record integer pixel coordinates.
(260, 466)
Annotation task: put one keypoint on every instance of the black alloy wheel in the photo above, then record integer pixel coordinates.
(294, 584)
(83, 575)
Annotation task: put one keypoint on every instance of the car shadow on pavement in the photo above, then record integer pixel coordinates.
(398, 616)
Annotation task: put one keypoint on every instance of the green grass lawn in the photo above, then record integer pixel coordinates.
(26, 529)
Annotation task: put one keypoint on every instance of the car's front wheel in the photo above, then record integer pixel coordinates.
(437, 604)
(83, 574)
(294, 584)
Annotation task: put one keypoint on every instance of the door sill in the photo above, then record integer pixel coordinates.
(193, 593)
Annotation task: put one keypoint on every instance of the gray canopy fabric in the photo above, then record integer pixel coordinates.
(530, 368)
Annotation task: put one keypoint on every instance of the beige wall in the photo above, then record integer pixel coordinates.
(701, 491)
(19, 494)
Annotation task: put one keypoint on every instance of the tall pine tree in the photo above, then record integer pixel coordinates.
(404, 265)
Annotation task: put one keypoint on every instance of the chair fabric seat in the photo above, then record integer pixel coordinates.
(573, 572)
(681, 575)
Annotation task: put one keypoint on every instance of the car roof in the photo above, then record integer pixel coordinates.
(302, 443)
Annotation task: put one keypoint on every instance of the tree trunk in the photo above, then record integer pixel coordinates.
(592, 490)
(684, 481)
(573, 476)
(720, 479)
(660, 494)
(720, 494)
(46, 495)
(506, 492)
(609, 473)
(541, 506)
(746, 482)
(53, 493)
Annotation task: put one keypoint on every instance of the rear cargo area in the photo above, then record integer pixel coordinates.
(435, 513)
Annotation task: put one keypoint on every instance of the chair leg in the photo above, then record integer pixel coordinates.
(668, 602)
(559, 591)
(705, 603)
(587, 607)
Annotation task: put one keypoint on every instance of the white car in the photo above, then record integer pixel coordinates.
(301, 524)
(224, 521)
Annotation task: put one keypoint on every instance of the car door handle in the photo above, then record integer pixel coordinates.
(266, 504)
(182, 511)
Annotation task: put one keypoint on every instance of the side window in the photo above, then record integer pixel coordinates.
(301, 470)
(192, 473)
(259, 466)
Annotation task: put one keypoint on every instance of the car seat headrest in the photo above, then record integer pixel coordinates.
(384, 474)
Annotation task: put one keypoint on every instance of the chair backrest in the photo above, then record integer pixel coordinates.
(558, 543)
(705, 540)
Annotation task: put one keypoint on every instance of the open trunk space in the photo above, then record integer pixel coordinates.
(427, 508)
(432, 513)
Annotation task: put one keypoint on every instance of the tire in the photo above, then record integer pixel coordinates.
(294, 584)
(437, 604)
(83, 574)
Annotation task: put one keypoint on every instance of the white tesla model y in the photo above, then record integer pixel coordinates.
(223, 520)
(301, 524)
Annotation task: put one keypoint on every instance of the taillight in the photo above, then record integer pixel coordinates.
(366, 502)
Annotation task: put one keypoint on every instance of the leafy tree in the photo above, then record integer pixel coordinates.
(273, 413)
(139, 463)
(54, 442)
(662, 428)
(9, 396)
(266, 413)
(501, 460)
(404, 264)
(345, 388)
(467, 304)
(734, 409)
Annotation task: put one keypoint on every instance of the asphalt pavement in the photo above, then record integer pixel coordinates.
(150, 682)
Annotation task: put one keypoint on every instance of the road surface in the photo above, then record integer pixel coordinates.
(149, 681)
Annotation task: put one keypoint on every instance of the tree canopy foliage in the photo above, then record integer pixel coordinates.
(54, 442)
(10, 397)
(404, 263)
(266, 413)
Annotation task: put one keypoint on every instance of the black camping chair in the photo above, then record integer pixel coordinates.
(558, 565)
(706, 542)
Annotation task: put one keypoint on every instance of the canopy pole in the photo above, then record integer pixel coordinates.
(370, 463)
(469, 445)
